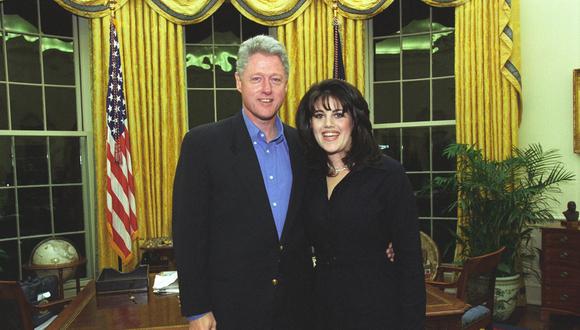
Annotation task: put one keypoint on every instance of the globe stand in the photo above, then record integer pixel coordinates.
(60, 269)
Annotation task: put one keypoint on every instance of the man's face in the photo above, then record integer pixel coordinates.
(263, 86)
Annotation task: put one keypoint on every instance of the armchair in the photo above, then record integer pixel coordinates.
(475, 284)
(17, 312)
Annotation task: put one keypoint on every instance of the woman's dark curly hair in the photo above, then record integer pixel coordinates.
(363, 150)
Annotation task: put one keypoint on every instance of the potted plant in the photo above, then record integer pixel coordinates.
(498, 201)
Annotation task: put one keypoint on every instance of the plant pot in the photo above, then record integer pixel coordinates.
(506, 291)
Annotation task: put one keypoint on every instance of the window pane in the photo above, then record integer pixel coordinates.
(443, 18)
(442, 137)
(442, 199)
(228, 103)
(389, 140)
(12, 264)
(415, 16)
(444, 99)
(416, 51)
(387, 103)
(251, 29)
(31, 163)
(443, 54)
(442, 235)
(7, 213)
(3, 107)
(416, 101)
(55, 20)
(199, 33)
(2, 68)
(61, 110)
(225, 66)
(200, 106)
(418, 181)
(6, 170)
(387, 22)
(65, 159)
(58, 55)
(23, 58)
(416, 149)
(21, 15)
(387, 59)
(68, 208)
(226, 22)
(198, 61)
(34, 211)
(425, 226)
(26, 107)
(28, 245)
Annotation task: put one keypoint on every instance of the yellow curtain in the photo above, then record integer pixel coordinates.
(487, 80)
(310, 44)
(154, 82)
(359, 9)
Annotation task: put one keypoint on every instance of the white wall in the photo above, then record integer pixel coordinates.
(550, 48)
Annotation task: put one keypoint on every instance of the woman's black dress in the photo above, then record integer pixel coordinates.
(356, 287)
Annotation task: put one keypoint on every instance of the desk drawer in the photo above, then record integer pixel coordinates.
(567, 298)
(557, 275)
(561, 257)
(561, 239)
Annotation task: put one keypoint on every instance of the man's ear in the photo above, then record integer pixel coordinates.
(238, 82)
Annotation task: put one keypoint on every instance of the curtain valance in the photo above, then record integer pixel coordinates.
(89, 8)
(445, 3)
(359, 9)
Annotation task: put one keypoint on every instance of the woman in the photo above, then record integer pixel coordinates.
(357, 200)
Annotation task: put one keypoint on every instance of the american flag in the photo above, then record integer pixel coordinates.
(121, 210)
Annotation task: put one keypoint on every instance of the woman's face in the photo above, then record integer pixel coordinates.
(332, 128)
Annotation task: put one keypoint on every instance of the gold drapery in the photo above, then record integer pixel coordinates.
(487, 78)
(272, 13)
(154, 82)
(359, 9)
(445, 3)
(89, 8)
(310, 44)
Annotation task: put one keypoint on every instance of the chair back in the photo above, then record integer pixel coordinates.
(15, 310)
(430, 256)
(476, 283)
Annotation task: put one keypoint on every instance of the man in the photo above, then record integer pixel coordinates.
(241, 251)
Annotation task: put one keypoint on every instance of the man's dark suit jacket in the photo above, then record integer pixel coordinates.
(229, 258)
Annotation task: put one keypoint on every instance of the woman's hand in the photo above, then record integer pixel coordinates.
(391, 252)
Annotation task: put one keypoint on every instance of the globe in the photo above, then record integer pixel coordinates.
(54, 251)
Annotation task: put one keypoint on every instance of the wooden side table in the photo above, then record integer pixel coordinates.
(60, 269)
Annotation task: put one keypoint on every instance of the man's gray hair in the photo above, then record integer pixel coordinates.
(264, 45)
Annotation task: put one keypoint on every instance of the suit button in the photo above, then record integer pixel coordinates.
(281, 247)
(274, 282)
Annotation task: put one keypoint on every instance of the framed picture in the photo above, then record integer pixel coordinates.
(576, 106)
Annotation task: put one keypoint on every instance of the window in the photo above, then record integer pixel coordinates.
(413, 102)
(211, 53)
(43, 141)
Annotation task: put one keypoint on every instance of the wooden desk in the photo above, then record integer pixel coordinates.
(444, 311)
(162, 312)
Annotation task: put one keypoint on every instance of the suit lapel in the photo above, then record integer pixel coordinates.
(246, 167)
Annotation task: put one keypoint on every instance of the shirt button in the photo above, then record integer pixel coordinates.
(261, 134)
(267, 151)
(274, 282)
(271, 177)
(255, 142)
(274, 204)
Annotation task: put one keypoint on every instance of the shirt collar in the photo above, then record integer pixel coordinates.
(255, 132)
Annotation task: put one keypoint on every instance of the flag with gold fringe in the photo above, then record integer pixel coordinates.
(121, 210)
